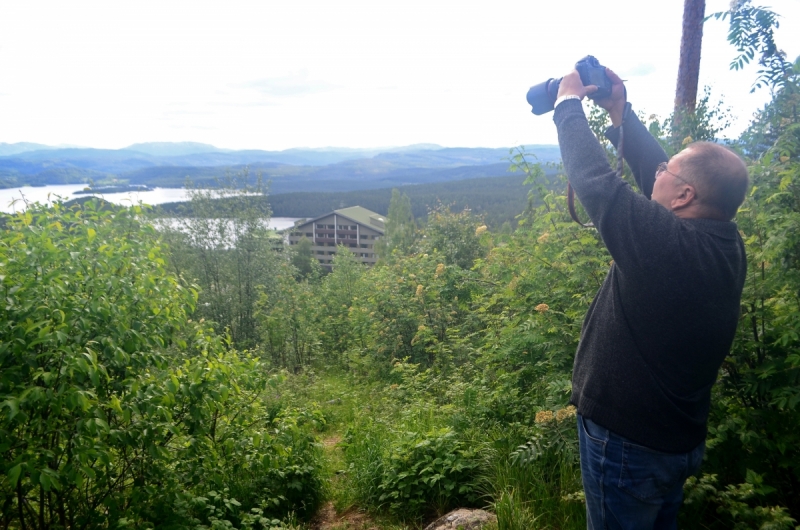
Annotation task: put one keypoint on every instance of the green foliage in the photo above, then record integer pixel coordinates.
(227, 248)
(400, 227)
(303, 260)
(706, 123)
(413, 468)
(752, 31)
(734, 503)
(286, 320)
(758, 401)
(117, 409)
(774, 120)
(427, 468)
(454, 235)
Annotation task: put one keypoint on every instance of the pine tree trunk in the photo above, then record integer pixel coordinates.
(689, 66)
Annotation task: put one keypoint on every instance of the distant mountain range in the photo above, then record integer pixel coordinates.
(328, 169)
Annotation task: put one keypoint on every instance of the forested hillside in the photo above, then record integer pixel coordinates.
(495, 199)
(170, 165)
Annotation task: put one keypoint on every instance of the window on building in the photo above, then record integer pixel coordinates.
(309, 234)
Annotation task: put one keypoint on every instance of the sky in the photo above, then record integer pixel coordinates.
(275, 74)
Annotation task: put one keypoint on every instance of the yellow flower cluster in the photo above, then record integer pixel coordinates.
(566, 413)
(419, 290)
(439, 269)
(542, 308)
(544, 237)
(546, 416)
(421, 327)
(481, 229)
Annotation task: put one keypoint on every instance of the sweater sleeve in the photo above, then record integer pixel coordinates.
(639, 233)
(642, 152)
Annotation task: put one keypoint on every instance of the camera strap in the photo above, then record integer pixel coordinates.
(620, 168)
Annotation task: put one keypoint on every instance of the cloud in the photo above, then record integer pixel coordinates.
(640, 70)
(297, 84)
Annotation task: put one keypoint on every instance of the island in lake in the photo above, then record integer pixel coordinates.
(122, 188)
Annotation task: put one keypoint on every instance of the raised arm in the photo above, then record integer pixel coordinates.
(642, 152)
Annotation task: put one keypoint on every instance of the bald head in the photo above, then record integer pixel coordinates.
(719, 176)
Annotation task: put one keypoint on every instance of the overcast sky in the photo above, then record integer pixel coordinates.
(292, 73)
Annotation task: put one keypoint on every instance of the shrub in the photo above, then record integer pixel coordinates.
(117, 409)
(411, 474)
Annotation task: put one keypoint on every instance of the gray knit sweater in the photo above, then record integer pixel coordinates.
(664, 319)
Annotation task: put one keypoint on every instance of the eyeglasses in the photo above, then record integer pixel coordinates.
(662, 168)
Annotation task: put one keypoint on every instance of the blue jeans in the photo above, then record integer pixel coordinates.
(629, 486)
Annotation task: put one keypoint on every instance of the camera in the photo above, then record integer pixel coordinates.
(542, 97)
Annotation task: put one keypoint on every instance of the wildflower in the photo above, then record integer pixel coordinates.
(542, 308)
(544, 416)
(544, 237)
(439, 269)
(563, 414)
(419, 290)
(481, 229)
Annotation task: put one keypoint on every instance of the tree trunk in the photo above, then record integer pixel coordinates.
(689, 66)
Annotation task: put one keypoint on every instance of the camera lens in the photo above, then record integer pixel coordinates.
(542, 97)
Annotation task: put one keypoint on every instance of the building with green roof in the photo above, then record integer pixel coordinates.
(355, 228)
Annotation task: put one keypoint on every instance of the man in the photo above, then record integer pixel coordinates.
(664, 319)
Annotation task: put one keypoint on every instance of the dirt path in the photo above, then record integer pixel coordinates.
(352, 518)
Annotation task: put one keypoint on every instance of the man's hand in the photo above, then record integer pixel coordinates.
(615, 103)
(571, 85)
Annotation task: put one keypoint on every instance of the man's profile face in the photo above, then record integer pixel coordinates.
(669, 185)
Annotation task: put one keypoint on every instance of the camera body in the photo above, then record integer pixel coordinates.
(543, 96)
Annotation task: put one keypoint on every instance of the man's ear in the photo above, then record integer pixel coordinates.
(686, 197)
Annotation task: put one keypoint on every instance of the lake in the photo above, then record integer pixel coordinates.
(14, 199)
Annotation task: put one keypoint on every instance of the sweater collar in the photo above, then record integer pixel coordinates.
(724, 229)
